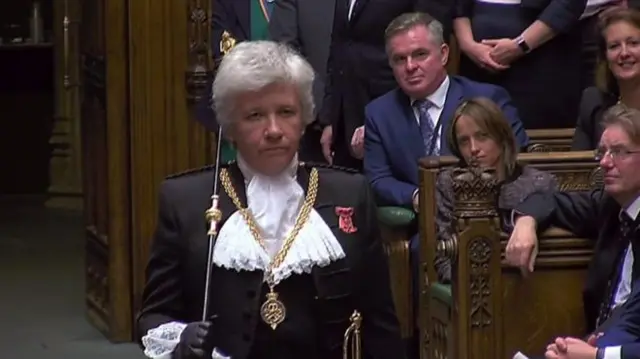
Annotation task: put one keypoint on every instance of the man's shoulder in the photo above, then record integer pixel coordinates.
(389, 99)
(475, 88)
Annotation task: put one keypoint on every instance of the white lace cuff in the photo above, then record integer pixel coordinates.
(160, 342)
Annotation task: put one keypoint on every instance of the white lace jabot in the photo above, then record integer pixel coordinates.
(275, 203)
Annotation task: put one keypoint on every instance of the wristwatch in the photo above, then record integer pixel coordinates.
(600, 353)
(523, 45)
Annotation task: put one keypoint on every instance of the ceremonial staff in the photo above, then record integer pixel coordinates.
(213, 215)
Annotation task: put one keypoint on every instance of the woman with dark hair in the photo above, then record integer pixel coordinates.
(481, 136)
(618, 75)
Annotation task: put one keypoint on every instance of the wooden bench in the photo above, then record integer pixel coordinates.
(491, 311)
(397, 225)
(550, 140)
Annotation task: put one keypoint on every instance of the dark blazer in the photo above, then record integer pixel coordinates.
(526, 180)
(593, 105)
(393, 143)
(560, 15)
(232, 16)
(588, 215)
(358, 69)
(176, 271)
(625, 331)
(306, 25)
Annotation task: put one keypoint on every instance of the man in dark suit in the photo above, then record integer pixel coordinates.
(619, 340)
(297, 249)
(306, 26)
(394, 141)
(609, 216)
(358, 70)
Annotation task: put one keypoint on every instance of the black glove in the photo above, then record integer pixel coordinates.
(196, 341)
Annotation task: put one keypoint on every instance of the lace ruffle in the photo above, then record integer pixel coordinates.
(160, 342)
(315, 246)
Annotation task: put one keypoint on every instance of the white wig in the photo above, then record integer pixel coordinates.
(253, 65)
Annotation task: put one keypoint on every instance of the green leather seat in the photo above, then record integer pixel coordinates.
(395, 216)
(442, 292)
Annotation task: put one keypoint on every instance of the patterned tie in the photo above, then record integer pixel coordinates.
(429, 137)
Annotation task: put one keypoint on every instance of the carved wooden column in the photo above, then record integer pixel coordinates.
(65, 189)
(476, 285)
(201, 65)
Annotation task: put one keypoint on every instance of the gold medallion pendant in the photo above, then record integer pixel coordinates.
(273, 310)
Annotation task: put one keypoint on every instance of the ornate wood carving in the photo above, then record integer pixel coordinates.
(479, 258)
(97, 279)
(105, 140)
(476, 276)
(489, 298)
(475, 192)
(550, 140)
(396, 245)
(199, 73)
(578, 179)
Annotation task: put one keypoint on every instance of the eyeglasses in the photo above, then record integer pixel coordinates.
(613, 153)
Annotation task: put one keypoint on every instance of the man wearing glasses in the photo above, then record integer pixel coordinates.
(609, 216)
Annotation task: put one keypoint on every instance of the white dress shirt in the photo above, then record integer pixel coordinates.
(352, 5)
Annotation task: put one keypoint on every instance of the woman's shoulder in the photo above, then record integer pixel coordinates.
(593, 98)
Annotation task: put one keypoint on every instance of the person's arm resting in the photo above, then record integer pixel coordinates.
(377, 169)
(577, 212)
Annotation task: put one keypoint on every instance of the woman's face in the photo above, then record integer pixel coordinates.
(475, 144)
(623, 50)
(267, 126)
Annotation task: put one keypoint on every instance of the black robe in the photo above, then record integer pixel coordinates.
(319, 304)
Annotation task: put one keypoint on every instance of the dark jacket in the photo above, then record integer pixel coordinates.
(319, 304)
(593, 105)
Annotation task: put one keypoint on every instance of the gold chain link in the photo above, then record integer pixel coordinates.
(301, 219)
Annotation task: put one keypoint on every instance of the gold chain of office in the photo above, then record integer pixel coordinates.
(273, 311)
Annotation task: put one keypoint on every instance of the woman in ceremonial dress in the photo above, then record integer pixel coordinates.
(298, 248)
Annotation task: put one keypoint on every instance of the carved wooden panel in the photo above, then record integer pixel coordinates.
(578, 180)
(104, 133)
(397, 249)
(200, 68)
(496, 312)
(441, 329)
(476, 315)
